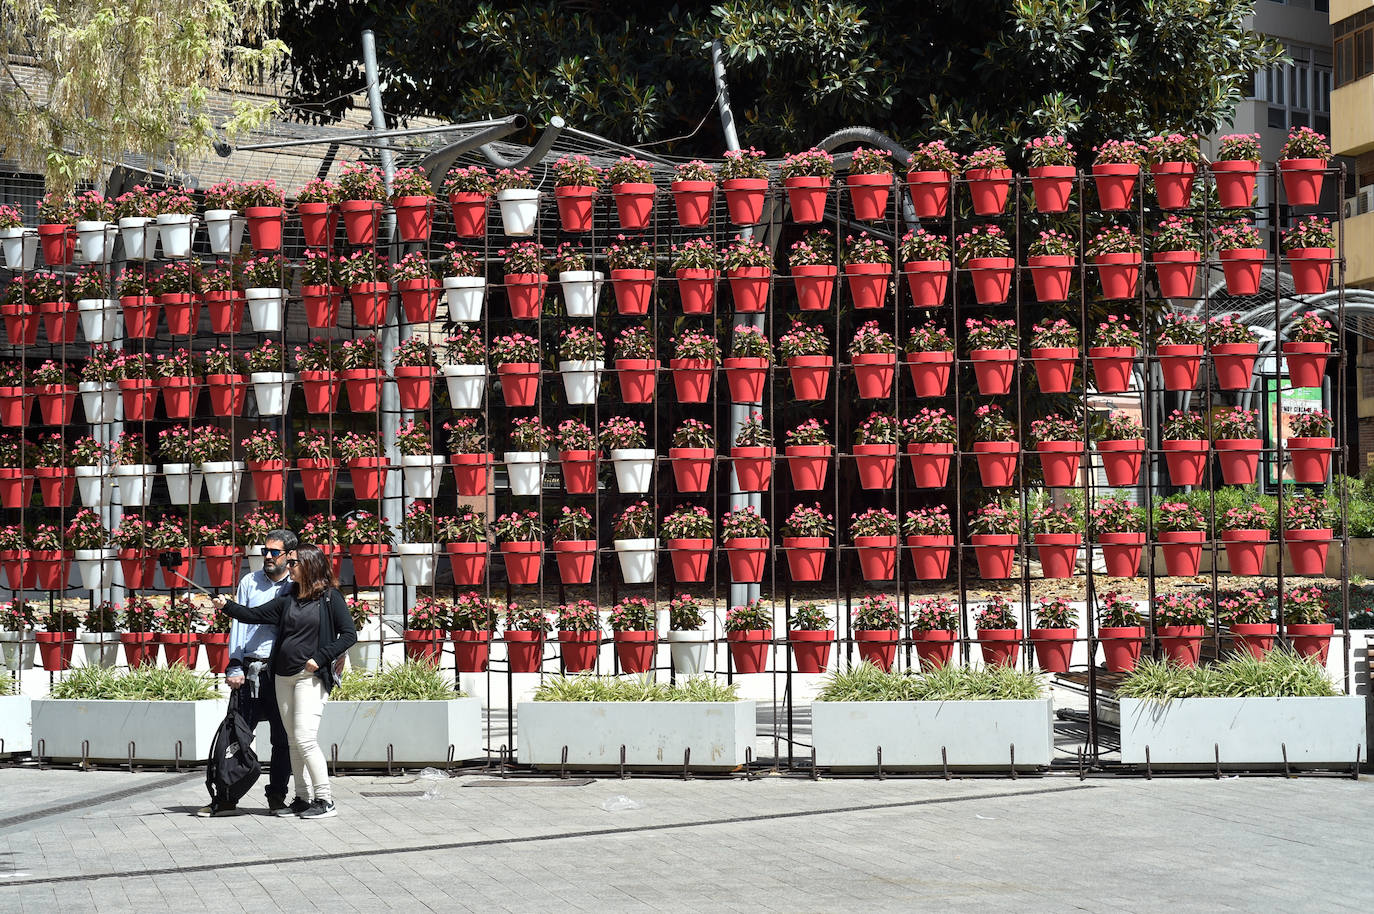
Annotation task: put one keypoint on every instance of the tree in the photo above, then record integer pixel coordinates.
(972, 71)
(102, 81)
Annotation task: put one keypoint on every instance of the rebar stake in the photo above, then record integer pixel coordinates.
(687, 763)
(815, 772)
(1013, 761)
(944, 761)
(563, 764)
(1283, 747)
(131, 756)
(622, 761)
(880, 764)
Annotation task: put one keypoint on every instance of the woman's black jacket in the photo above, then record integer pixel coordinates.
(337, 633)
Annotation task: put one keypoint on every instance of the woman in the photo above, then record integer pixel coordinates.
(314, 628)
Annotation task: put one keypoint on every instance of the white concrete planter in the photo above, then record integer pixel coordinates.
(99, 648)
(272, 391)
(93, 241)
(135, 483)
(654, 734)
(175, 230)
(634, 466)
(94, 485)
(581, 378)
(417, 562)
(974, 734)
(689, 651)
(519, 210)
(100, 321)
(95, 567)
(637, 559)
(421, 474)
(222, 480)
(466, 385)
(17, 650)
(15, 732)
(464, 295)
(419, 732)
(183, 482)
(154, 728)
(1246, 732)
(266, 308)
(100, 400)
(581, 289)
(20, 246)
(525, 471)
(365, 655)
(226, 232)
(140, 237)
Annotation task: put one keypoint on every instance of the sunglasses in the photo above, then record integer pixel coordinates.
(273, 553)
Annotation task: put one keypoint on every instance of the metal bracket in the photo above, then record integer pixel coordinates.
(622, 762)
(448, 760)
(815, 772)
(85, 754)
(944, 761)
(563, 764)
(1284, 748)
(42, 752)
(390, 754)
(1216, 748)
(1355, 772)
(1149, 775)
(687, 764)
(333, 760)
(881, 776)
(749, 763)
(131, 756)
(176, 761)
(1013, 761)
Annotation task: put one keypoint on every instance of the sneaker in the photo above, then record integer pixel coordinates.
(275, 802)
(320, 809)
(215, 810)
(297, 807)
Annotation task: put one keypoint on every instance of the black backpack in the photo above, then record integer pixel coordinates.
(233, 766)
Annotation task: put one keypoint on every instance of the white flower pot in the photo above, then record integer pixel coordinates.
(95, 567)
(100, 399)
(465, 294)
(183, 482)
(421, 474)
(225, 231)
(135, 483)
(525, 471)
(174, 230)
(689, 651)
(100, 319)
(581, 289)
(266, 308)
(272, 391)
(417, 563)
(222, 480)
(93, 241)
(94, 485)
(20, 246)
(634, 467)
(365, 655)
(581, 378)
(140, 237)
(466, 384)
(18, 650)
(99, 648)
(519, 210)
(254, 556)
(637, 559)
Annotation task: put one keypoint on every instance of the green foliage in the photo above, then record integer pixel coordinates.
(146, 683)
(866, 682)
(586, 687)
(1281, 674)
(6, 683)
(409, 681)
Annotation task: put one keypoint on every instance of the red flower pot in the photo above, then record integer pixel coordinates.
(1053, 648)
(216, 646)
(1173, 183)
(575, 204)
(364, 388)
(1239, 458)
(691, 379)
(868, 195)
(744, 199)
(321, 305)
(317, 477)
(992, 368)
(369, 476)
(1177, 272)
(815, 286)
(1115, 185)
(360, 220)
(519, 382)
(55, 649)
(996, 462)
(180, 648)
(1234, 363)
(579, 650)
(58, 243)
(808, 464)
(1119, 274)
(746, 555)
(1121, 553)
(637, 379)
(16, 490)
(419, 299)
(1302, 181)
(1311, 458)
(579, 471)
(228, 393)
(1111, 368)
(1181, 643)
(1235, 182)
(56, 402)
(691, 467)
(690, 559)
(991, 279)
(470, 471)
(424, 644)
(471, 650)
(877, 646)
(1179, 364)
(692, 200)
(805, 556)
(696, 289)
(265, 227)
(524, 561)
(1186, 461)
(1307, 550)
(469, 563)
(930, 556)
(1054, 368)
(810, 376)
(21, 324)
(929, 372)
(1311, 639)
(806, 195)
(874, 373)
(1121, 646)
(633, 289)
(1059, 461)
(996, 553)
(1051, 275)
(1121, 460)
(321, 390)
(928, 281)
(1253, 638)
(222, 564)
(1182, 551)
(867, 283)
(877, 465)
(811, 649)
(934, 648)
(59, 321)
(877, 557)
(745, 377)
(140, 398)
(1306, 362)
(1000, 646)
(1245, 550)
(139, 568)
(414, 217)
(319, 223)
(369, 563)
(469, 214)
(182, 311)
(576, 559)
(15, 406)
(179, 396)
(1058, 553)
(988, 188)
(634, 203)
(1311, 269)
(140, 648)
(525, 294)
(1052, 186)
(753, 467)
(1242, 268)
(929, 192)
(57, 484)
(930, 463)
(525, 651)
(269, 479)
(749, 288)
(414, 385)
(370, 300)
(749, 649)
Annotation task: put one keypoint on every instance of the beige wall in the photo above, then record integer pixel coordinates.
(1352, 117)
(1359, 250)
(1344, 9)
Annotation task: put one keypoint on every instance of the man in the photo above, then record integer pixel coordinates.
(250, 650)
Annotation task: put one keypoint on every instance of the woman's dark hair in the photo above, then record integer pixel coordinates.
(316, 572)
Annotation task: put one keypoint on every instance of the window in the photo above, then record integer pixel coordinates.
(1296, 92)
(1354, 47)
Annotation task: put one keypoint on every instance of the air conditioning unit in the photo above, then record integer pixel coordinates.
(1361, 203)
